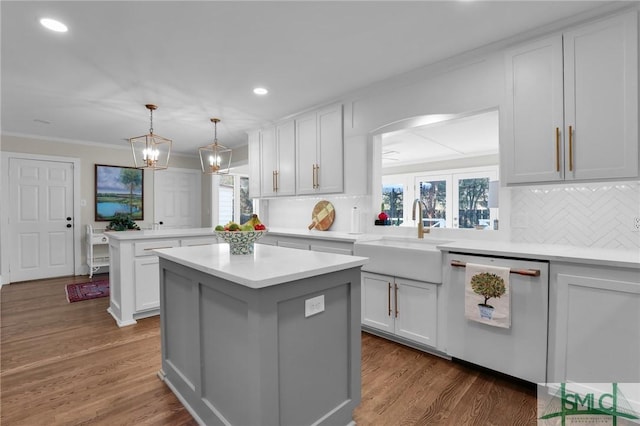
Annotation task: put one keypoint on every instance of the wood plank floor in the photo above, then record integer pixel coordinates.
(69, 364)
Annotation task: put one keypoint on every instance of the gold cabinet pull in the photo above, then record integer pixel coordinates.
(389, 299)
(273, 180)
(557, 149)
(313, 176)
(395, 299)
(570, 148)
(277, 177)
(316, 180)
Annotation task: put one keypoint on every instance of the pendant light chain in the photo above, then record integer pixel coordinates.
(151, 121)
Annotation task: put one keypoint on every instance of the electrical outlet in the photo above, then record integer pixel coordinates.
(636, 223)
(313, 306)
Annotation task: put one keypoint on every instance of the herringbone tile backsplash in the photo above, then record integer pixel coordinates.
(586, 215)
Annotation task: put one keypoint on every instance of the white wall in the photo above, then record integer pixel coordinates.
(469, 85)
(89, 155)
(470, 82)
(587, 215)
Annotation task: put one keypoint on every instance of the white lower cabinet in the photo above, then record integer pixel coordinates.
(134, 276)
(302, 243)
(594, 324)
(402, 307)
(147, 277)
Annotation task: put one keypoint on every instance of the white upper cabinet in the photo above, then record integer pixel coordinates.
(306, 135)
(572, 104)
(301, 156)
(286, 172)
(319, 151)
(601, 99)
(277, 153)
(534, 115)
(254, 164)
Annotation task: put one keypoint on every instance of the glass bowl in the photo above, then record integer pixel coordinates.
(240, 242)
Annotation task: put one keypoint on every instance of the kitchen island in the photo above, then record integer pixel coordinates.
(271, 338)
(133, 268)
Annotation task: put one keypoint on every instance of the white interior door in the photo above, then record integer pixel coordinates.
(177, 198)
(41, 219)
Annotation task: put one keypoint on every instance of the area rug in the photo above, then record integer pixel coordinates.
(86, 291)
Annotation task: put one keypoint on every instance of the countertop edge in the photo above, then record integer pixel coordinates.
(552, 253)
(347, 262)
(148, 234)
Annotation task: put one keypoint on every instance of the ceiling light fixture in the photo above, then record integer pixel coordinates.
(215, 159)
(260, 91)
(151, 151)
(53, 25)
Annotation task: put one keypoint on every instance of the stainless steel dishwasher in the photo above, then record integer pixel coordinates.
(519, 351)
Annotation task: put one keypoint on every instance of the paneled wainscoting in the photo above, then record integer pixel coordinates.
(69, 364)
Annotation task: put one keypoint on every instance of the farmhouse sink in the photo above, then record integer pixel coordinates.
(416, 259)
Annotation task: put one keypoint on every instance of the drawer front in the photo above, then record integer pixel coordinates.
(345, 249)
(146, 248)
(199, 241)
(99, 239)
(294, 245)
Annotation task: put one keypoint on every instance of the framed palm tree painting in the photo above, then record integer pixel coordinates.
(119, 190)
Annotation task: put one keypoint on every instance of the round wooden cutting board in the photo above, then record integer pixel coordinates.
(322, 216)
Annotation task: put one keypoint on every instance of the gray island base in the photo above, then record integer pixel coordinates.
(281, 350)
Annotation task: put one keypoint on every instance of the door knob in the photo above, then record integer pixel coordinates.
(68, 225)
(161, 223)
(69, 218)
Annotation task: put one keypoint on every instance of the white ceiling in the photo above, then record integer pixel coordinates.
(464, 137)
(198, 60)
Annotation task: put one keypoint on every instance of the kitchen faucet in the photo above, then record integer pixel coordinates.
(421, 205)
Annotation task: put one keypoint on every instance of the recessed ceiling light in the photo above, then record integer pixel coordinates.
(54, 25)
(260, 91)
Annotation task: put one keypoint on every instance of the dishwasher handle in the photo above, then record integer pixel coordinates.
(528, 272)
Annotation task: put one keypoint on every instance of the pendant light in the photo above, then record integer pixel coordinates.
(215, 159)
(151, 151)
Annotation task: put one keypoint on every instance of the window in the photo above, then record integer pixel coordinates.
(234, 203)
(473, 201)
(392, 202)
(225, 198)
(459, 199)
(246, 203)
(453, 198)
(433, 193)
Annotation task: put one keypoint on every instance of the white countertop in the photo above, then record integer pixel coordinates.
(267, 266)
(160, 233)
(550, 252)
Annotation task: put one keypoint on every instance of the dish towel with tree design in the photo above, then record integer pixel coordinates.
(487, 296)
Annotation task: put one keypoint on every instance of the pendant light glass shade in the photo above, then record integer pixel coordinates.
(151, 151)
(215, 159)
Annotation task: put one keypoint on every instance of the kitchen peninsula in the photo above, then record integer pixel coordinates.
(268, 338)
(133, 268)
